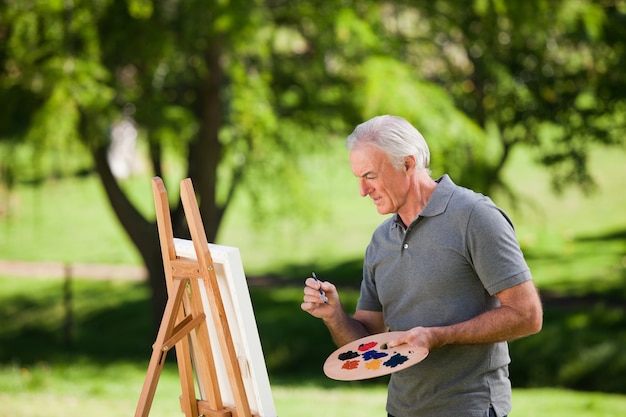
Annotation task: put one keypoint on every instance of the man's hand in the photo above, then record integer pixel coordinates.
(419, 337)
(313, 301)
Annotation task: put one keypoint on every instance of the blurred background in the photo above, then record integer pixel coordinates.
(522, 101)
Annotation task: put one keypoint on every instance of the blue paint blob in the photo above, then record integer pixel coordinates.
(373, 354)
(347, 355)
(396, 360)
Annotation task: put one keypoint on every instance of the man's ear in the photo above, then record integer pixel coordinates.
(409, 163)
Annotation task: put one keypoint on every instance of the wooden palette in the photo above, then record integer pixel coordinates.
(369, 357)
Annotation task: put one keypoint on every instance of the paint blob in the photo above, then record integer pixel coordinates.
(367, 346)
(347, 355)
(373, 365)
(396, 360)
(350, 365)
(373, 354)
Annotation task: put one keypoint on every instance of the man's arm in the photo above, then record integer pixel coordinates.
(520, 314)
(343, 328)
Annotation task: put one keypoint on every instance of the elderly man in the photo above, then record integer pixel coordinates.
(446, 269)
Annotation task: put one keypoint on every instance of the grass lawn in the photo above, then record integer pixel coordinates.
(575, 246)
(103, 366)
(113, 391)
(70, 221)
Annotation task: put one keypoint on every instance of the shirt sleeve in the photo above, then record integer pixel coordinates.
(493, 248)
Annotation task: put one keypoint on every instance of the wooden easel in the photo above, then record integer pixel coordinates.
(184, 322)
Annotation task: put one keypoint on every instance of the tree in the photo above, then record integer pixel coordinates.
(239, 89)
(541, 74)
(196, 78)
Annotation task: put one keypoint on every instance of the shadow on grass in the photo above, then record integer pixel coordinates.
(585, 268)
(582, 345)
(109, 321)
(39, 327)
(614, 235)
(346, 275)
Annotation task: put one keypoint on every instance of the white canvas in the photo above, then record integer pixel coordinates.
(242, 324)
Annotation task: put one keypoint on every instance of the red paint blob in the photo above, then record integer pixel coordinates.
(367, 346)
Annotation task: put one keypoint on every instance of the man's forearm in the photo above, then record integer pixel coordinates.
(499, 325)
(345, 329)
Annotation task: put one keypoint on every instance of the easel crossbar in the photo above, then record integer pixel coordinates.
(185, 268)
(183, 329)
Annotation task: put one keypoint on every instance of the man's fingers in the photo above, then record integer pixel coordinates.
(395, 342)
(313, 283)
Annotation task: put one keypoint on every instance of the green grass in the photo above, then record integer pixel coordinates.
(575, 244)
(70, 221)
(104, 359)
(113, 391)
(63, 221)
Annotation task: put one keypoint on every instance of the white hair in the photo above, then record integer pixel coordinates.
(396, 137)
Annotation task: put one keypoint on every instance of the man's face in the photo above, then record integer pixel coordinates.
(378, 178)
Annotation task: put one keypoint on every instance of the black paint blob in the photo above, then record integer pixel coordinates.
(347, 355)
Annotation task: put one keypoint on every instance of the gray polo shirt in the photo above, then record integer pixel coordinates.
(443, 269)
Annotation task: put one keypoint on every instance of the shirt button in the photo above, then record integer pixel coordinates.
(405, 246)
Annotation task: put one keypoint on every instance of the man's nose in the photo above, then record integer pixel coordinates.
(364, 187)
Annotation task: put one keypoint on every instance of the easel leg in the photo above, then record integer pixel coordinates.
(159, 353)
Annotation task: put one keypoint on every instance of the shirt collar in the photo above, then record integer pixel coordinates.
(440, 198)
(437, 202)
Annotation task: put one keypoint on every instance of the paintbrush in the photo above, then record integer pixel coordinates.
(322, 293)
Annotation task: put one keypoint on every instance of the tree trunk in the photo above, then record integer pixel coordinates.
(203, 157)
(143, 234)
(206, 152)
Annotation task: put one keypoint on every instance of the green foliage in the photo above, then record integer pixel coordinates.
(458, 146)
(241, 89)
(510, 68)
(518, 66)
(48, 83)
